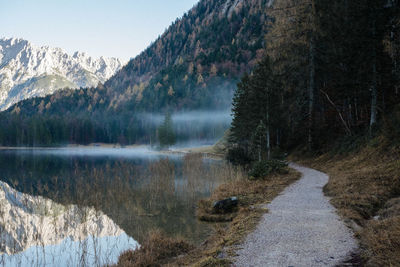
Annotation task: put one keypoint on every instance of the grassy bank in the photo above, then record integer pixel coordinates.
(365, 188)
(220, 246)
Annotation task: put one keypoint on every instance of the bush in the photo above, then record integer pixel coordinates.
(391, 128)
(278, 154)
(261, 169)
(238, 156)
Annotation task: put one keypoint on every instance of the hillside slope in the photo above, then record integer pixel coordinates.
(214, 43)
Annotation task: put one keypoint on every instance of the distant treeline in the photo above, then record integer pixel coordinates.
(47, 130)
(331, 72)
(52, 130)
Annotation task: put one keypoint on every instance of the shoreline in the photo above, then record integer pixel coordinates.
(207, 151)
(220, 247)
(92, 145)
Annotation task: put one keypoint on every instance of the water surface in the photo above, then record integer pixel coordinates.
(89, 204)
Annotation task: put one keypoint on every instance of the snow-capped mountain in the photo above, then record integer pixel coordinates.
(27, 70)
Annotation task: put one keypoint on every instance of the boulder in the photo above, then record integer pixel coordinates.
(225, 206)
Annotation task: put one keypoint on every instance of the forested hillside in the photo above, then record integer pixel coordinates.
(330, 75)
(201, 54)
(194, 64)
(327, 90)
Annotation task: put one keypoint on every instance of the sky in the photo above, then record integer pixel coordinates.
(111, 28)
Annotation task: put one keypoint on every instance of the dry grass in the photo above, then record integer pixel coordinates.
(364, 187)
(156, 251)
(248, 193)
(381, 242)
(221, 245)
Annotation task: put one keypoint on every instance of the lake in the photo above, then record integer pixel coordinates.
(84, 206)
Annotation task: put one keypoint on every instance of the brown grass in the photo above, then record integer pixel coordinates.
(221, 246)
(364, 187)
(156, 251)
(248, 193)
(381, 242)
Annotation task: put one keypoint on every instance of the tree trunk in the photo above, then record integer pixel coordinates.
(373, 98)
(374, 94)
(268, 126)
(311, 93)
(311, 88)
(268, 132)
(259, 148)
(278, 138)
(268, 143)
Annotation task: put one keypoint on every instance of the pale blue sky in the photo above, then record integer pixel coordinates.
(119, 28)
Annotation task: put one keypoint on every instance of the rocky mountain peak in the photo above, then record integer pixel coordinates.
(28, 70)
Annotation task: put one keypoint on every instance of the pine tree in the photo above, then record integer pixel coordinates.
(259, 140)
(256, 108)
(240, 112)
(165, 133)
(292, 45)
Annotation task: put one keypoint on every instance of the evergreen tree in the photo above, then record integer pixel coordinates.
(258, 141)
(166, 135)
(256, 111)
(292, 44)
(332, 70)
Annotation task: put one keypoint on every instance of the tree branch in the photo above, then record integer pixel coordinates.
(347, 128)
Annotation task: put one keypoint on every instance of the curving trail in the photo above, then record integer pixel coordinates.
(300, 229)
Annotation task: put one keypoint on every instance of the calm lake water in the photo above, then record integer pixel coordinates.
(84, 206)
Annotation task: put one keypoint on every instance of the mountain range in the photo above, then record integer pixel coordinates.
(27, 70)
(194, 65)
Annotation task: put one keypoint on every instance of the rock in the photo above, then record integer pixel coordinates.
(353, 225)
(225, 205)
(222, 255)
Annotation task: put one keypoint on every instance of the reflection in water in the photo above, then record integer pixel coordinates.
(41, 232)
(137, 189)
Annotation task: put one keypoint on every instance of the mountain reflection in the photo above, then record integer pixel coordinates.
(38, 231)
(138, 189)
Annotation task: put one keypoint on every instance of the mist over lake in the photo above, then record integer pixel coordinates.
(193, 128)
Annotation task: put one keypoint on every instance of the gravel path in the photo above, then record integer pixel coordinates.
(300, 229)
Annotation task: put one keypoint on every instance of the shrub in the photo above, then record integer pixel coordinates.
(278, 154)
(391, 129)
(238, 156)
(261, 169)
